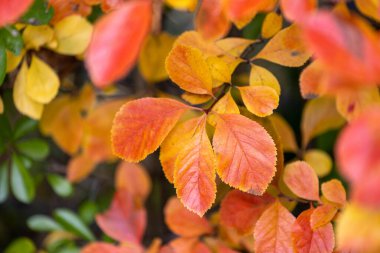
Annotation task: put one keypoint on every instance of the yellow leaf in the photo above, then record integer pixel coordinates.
(195, 99)
(220, 70)
(225, 105)
(369, 8)
(187, 5)
(288, 139)
(259, 100)
(1, 106)
(13, 60)
(37, 36)
(234, 46)
(320, 161)
(286, 48)
(189, 70)
(272, 24)
(358, 229)
(42, 82)
(152, 56)
(23, 102)
(73, 35)
(195, 39)
(260, 76)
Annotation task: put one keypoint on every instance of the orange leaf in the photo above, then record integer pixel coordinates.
(302, 180)
(123, 221)
(286, 133)
(195, 99)
(322, 215)
(64, 8)
(273, 230)
(141, 125)
(238, 138)
(194, 39)
(113, 49)
(225, 105)
(187, 68)
(194, 175)
(183, 222)
(134, 179)
(211, 21)
(286, 48)
(334, 191)
(242, 210)
(305, 240)
(298, 10)
(186, 245)
(10, 11)
(260, 76)
(102, 247)
(271, 25)
(80, 167)
(311, 80)
(259, 100)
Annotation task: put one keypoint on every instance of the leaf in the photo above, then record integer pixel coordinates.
(238, 138)
(63, 9)
(21, 182)
(4, 182)
(241, 210)
(260, 76)
(306, 240)
(183, 222)
(152, 56)
(134, 178)
(11, 11)
(273, 230)
(220, 70)
(22, 244)
(302, 180)
(319, 160)
(102, 247)
(13, 61)
(319, 116)
(369, 8)
(118, 59)
(1, 106)
(60, 185)
(42, 223)
(12, 39)
(42, 82)
(322, 215)
(311, 80)
(334, 192)
(141, 125)
(260, 100)
(226, 105)
(185, 5)
(194, 174)
(36, 149)
(298, 10)
(272, 24)
(23, 102)
(195, 99)
(72, 223)
(187, 67)
(211, 21)
(3, 63)
(40, 13)
(286, 133)
(23, 127)
(124, 220)
(37, 36)
(286, 48)
(195, 40)
(73, 35)
(234, 45)
(79, 168)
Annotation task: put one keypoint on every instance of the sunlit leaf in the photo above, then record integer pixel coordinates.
(319, 160)
(334, 192)
(225, 105)
(322, 215)
(220, 70)
(271, 25)
(37, 36)
(260, 100)
(260, 76)
(311, 80)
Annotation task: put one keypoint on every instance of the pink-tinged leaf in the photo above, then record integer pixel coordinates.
(242, 210)
(194, 175)
(10, 11)
(102, 247)
(334, 192)
(186, 245)
(311, 80)
(307, 240)
(245, 153)
(80, 167)
(302, 180)
(124, 220)
(322, 215)
(273, 230)
(114, 49)
(141, 125)
(298, 10)
(184, 222)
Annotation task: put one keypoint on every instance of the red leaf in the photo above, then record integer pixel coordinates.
(242, 210)
(10, 11)
(123, 221)
(116, 41)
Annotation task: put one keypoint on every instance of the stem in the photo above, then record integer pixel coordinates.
(221, 93)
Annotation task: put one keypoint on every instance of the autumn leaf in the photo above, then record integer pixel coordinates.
(226, 105)
(319, 160)
(102, 247)
(271, 25)
(369, 8)
(189, 70)
(273, 230)
(334, 192)
(188, 5)
(194, 174)
(260, 76)
(141, 125)
(195, 99)
(79, 167)
(10, 11)
(311, 80)
(220, 70)
(259, 100)
(184, 222)
(64, 8)
(37, 36)
(241, 210)
(233, 45)
(238, 138)
(106, 63)
(123, 221)
(322, 215)
(307, 240)
(302, 180)
(286, 48)
(286, 133)
(298, 10)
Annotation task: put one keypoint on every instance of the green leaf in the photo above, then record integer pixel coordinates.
(36, 149)
(21, 245)
(12, 39)
(72, 223)
(40, 13)
(60, 185)
(87, 211)
(24, 126)
(22, 184)
(3, 62)
(43, 223)
(4, 186)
